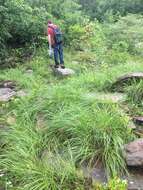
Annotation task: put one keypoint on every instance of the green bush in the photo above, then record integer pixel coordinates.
(127, 33)
(25, 22)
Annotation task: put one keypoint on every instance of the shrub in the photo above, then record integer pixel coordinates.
(128, 31)
(93, 131)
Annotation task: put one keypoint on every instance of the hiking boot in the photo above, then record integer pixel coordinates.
(56, 66)
(62, 66)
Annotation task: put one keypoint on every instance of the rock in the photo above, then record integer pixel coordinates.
(135, 178)
(7, 84)
(134, 153)
(138, 120)
(75, 62)
(97, 173)
(29, 71)
(63, 72)
(114, 98)
(128, 78)
(6, 94)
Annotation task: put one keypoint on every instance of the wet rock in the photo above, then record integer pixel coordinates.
(126, 79)
(134, 153)
(6, 94)
(63, 72)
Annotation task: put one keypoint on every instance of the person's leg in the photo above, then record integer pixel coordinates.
(56, 52)
(61, 55)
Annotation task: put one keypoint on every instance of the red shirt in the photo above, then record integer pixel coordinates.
(51, 33)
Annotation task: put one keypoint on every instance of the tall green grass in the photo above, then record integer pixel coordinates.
(75, 129)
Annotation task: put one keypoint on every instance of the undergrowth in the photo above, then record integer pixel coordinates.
(48, 154)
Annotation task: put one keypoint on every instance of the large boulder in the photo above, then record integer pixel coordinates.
(134, 153)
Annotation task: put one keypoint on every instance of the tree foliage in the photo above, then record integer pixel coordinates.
(24, 21)
(100, 8)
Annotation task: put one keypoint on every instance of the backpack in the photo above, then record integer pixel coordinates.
(57, 35)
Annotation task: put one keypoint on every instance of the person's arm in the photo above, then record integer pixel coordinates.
(50, 41)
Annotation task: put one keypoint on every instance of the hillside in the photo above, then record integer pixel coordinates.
(80, 132)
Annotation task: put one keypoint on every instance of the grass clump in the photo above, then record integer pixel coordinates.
(26, 170)
(94, 132)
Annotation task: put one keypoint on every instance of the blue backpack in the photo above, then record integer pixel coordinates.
(58, 35)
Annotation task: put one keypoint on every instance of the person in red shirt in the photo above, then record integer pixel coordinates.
(57, 47)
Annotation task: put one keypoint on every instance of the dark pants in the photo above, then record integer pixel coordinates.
(58, 54)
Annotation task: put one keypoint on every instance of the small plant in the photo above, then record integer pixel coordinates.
(113, 184)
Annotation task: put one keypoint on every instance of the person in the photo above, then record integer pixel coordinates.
(55, 44)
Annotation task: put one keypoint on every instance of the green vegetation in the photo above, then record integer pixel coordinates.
(47, 136)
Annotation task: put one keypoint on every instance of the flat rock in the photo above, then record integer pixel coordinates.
(63, 72)
(134, 153)
(109, 97)
(6, 94)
